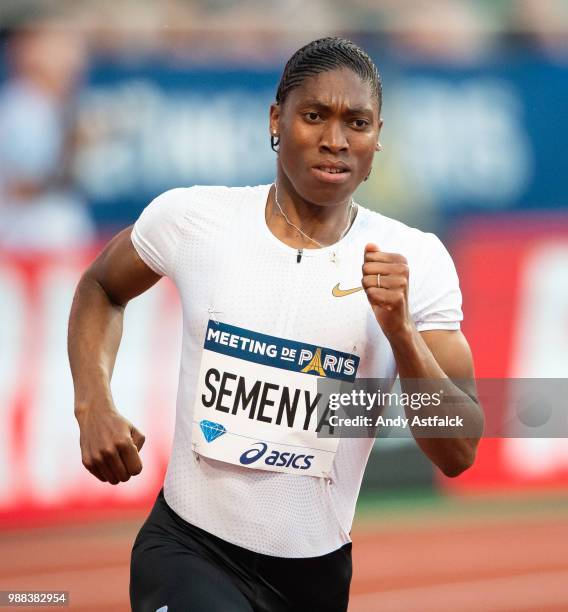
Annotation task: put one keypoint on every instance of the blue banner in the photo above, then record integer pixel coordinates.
(481, 138)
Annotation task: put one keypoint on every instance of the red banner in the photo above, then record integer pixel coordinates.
(41, 474)
(514, 279)
(515, 284)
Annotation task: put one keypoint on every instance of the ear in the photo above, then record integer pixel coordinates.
(274, 122)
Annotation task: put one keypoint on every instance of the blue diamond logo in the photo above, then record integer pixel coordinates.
(211, 430)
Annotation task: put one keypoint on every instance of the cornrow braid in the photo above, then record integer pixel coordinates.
(326, 54)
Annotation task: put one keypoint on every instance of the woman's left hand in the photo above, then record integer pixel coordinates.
(385, 281)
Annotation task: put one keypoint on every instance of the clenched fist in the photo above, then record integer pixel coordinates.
(110, 444)
(385, 281)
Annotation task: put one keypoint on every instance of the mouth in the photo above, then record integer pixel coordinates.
(332, 172)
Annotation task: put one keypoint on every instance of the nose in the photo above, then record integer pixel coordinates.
(333, 139)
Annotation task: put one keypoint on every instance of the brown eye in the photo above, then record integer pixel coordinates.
(360, 123)
(312, 116)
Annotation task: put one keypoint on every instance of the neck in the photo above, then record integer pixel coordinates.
(325, 224)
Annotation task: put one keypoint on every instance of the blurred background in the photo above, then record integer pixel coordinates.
(104, 105)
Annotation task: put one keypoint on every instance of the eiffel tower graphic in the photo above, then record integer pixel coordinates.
(315, 364)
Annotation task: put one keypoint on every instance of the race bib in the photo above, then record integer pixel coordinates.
(257, 401)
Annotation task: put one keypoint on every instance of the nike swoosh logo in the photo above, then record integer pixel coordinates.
(337, 292)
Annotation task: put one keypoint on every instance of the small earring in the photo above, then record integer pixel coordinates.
(275, 142)
(379, 146)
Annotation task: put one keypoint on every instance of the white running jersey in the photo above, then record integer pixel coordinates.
(213, 242)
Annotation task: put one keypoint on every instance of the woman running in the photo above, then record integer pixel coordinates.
(282, 286)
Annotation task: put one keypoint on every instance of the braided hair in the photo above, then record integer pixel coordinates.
(326, 54)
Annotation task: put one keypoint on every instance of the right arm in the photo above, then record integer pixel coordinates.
(109, 442)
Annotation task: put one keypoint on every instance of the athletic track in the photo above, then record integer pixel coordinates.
(485, 561)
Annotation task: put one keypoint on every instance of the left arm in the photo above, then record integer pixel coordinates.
(435, 356)
(444, 356)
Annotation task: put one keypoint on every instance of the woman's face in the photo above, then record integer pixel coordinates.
(329, 131)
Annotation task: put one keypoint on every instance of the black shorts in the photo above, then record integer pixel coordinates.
(178, 565)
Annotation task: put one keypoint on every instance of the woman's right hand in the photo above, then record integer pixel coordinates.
(110, 444)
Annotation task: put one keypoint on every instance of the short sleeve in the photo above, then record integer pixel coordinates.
(438, 299)
(156, 233)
